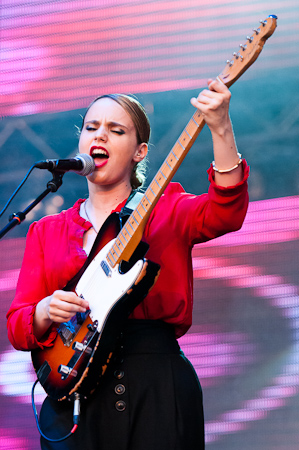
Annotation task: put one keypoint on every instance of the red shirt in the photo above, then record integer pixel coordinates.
(54, 254)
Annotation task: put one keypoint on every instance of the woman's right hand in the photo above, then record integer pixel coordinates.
(59, 307)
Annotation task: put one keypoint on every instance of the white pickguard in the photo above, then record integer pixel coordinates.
(102, 291)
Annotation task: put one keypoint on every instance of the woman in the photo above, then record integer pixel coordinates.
(149, 397)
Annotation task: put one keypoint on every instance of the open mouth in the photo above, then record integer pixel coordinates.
(99, 153)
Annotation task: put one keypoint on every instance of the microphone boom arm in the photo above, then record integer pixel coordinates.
(16, 218)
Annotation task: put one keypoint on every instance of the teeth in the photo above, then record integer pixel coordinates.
(99, 152)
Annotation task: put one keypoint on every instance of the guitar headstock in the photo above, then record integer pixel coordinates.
(248, 52)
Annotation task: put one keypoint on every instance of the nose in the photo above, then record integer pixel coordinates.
(101, 134)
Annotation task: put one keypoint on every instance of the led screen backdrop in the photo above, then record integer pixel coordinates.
(55, 58)
(243, 343)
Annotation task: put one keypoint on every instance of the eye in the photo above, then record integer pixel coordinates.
(118, 132)
(89, 128)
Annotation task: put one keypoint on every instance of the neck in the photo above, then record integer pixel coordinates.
(104, 199)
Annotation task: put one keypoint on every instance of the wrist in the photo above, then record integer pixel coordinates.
(41, 319)
(223, 131)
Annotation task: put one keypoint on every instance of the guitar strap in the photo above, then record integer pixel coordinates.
(129, 207)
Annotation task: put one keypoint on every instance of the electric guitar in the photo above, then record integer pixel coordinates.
(116, 277)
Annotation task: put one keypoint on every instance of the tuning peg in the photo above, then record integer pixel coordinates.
(256, 30)
(263, 22)
(250, 38)
(230, 62)
(243, 46)
(238, 55)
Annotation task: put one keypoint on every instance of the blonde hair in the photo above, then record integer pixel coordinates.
(142, 126)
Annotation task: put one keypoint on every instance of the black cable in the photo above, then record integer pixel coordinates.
(76, 416)
(17, 190)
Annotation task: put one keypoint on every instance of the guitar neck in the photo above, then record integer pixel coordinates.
(131, 233)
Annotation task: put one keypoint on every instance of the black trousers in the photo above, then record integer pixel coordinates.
(149, 399)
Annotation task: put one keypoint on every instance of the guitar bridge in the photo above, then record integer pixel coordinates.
(68, 330)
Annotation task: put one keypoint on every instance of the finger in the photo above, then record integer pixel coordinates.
(60, 311)
(60, 316)
(207, 95)
(217, 85)
(71, 297)
(62, 306)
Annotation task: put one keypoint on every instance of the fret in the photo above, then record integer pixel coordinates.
(133, 217)
(174, 155)
(181, 145)
(167, 169)
(111, 254)
(125, 229)
(143, 207)
(147, 198)
(122, 236)
(157, 183)
(139, 213)
(152, 191)
(190, 137)
(115, 243)
(184, 138)
(121, 243)
(130, 223)
(114, 251)
(190, 128)
(109, 260)
(160, 171)
(168, 165)
(195, 122)
(177, 152)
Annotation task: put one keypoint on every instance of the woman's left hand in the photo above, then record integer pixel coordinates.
(213, 103)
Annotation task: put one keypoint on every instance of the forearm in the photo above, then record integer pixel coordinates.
(226, 156)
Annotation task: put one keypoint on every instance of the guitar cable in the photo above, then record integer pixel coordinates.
(76, 416)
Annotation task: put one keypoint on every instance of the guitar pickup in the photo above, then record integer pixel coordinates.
(106, 269)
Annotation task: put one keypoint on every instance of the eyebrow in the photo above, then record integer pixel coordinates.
(113, 124)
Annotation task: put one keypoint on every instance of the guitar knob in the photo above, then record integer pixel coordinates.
(79, 347)
(66, 371)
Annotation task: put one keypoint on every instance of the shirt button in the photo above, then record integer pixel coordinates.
(119, 374)
(120, 405)
(119, 389)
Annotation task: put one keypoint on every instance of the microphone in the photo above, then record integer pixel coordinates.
(82, 164)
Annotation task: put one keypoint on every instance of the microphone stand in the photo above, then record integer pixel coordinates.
(16, 218)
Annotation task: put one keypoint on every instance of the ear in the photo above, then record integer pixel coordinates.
(141, 152)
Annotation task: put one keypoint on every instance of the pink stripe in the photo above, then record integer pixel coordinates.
(140, 13)
(8, 279)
